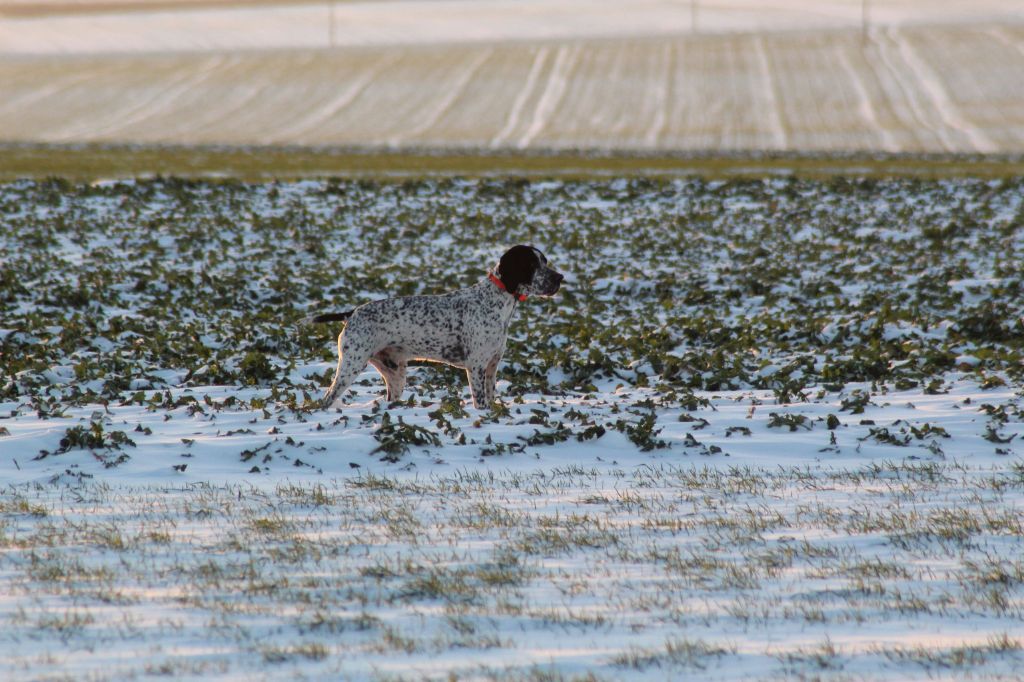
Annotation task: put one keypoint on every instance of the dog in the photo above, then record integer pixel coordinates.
(465, 328)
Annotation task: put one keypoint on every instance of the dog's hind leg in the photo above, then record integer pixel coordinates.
(352, 358)
(394, 372)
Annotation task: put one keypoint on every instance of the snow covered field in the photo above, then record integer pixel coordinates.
(769, 428)
(94, 26)
(529, 74)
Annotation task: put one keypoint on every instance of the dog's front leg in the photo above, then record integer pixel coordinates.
(477, 375)
(491, 378)
(482, 378)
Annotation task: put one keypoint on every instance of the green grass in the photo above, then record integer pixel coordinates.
(92, 161)
(676, 571)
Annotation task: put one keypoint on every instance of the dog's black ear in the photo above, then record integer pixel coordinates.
(517, 267)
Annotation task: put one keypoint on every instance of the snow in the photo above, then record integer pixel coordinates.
(419, 22)
(772, 492)
(212, 453)
(242, 538)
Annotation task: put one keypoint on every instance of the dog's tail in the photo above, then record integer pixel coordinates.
(326, 317)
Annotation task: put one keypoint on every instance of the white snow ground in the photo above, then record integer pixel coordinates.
(448, 22)
(260, 542)
(784, 554)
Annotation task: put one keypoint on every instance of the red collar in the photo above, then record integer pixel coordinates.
(501, 285)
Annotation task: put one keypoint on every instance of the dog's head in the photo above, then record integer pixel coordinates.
(525, 270)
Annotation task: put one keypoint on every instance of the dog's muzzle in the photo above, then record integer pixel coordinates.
(556, 284)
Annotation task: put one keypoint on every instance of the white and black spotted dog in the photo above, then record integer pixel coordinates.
(465, 328)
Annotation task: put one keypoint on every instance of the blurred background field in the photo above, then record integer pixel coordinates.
(655, 77)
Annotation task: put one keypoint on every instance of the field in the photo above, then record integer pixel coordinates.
(769, 428)
(651, 76)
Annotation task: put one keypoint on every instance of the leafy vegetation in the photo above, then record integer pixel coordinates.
(114, 293)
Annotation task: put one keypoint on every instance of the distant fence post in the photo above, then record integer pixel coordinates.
(864, 20)
(693, 16)
(330, 23)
